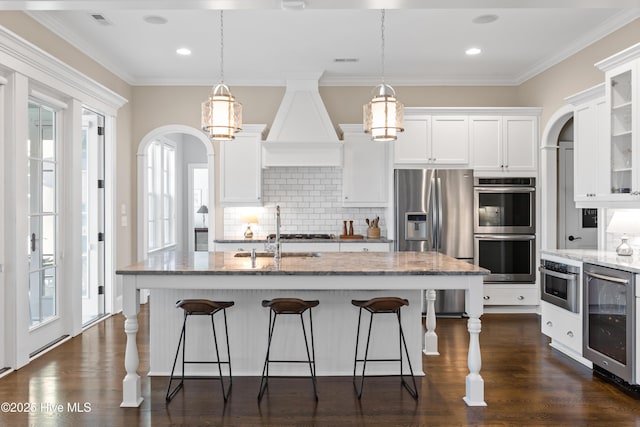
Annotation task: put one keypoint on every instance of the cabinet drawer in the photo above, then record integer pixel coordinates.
(562, 326)
(511, 295)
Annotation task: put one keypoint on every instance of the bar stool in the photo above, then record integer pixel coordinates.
(382, 305)
(289, 306)
(201, 307)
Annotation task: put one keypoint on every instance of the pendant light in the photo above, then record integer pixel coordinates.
(384, 114)
(221, 113)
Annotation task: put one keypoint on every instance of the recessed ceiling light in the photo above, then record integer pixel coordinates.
(484, 19)
(473, 51)
(155, 19)
(183, 51)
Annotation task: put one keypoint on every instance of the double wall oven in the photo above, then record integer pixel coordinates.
(504, 228)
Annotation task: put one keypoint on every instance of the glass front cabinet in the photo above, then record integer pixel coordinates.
(622, 96)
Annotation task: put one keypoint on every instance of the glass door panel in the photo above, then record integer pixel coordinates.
(621, 132)
(43, 215)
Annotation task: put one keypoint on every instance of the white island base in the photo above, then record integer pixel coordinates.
(334, 322)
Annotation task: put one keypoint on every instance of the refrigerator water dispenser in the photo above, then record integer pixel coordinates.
(416, 226)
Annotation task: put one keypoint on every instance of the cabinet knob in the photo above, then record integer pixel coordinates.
(520, 298)
(487, 297)
(506, 166)
(570, 334)
(501, 166)
(549, 323)
(346, 197)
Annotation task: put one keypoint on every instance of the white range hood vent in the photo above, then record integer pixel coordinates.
(302, 133)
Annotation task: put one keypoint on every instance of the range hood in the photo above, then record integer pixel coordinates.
(302, 133)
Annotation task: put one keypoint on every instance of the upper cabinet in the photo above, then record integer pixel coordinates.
(589, 132)
(505, 143)
(622, 94)
(432, 139)
(241, 168)
(364, 174)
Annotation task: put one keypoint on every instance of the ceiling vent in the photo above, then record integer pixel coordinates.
(100, 19)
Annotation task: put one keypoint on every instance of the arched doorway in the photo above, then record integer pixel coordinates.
(562, 223)
(178, 137)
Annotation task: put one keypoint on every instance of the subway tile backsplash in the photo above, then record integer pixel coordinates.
(310, 200)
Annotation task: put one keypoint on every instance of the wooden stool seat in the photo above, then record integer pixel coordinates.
(381, 304)
(205, 307)
(289, 305)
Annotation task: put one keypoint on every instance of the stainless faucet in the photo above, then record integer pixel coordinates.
(276, 252)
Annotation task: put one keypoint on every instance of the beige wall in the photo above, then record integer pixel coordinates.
(151, 107)
(32, 31)
(576, 73)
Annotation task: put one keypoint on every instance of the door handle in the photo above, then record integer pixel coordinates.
(33, 242)
(572, 238)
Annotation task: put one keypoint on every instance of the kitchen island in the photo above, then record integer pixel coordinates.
(332, 278)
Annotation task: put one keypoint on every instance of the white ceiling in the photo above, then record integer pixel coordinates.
(425, 39)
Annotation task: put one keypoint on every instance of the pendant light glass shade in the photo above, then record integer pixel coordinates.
(221, 114)
(383, 116)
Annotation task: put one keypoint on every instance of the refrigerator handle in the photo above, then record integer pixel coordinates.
(439, 183)
(433, 214)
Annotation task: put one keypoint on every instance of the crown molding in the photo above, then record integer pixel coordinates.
(24, 57)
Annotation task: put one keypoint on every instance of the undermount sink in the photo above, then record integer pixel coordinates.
(283, 254)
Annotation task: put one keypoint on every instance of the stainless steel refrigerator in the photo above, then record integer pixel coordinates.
(434, 212)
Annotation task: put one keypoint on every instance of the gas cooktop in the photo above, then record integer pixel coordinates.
(303, 236)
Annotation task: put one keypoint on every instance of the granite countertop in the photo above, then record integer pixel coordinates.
(263, 239)
(604, 258)
(325, 263)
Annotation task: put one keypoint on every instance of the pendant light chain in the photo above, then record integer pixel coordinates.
(221, 46)
(382, 41)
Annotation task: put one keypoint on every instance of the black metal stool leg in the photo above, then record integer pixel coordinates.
(181, 342)
(264, 381)
(413, 392)
(355, 359)
(366, 355)
(225, 395)
(311, 363)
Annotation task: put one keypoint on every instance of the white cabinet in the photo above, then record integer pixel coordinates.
(564, 328)
(241, 168)
(310, 246)
(364, 174)
(450, 139)
(506, 143)
(589, 132)
(622, 97)
(413, 146)
(511, 295)
(365, 247)
(433, 140)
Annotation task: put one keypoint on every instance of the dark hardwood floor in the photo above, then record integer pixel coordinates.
(527, 384)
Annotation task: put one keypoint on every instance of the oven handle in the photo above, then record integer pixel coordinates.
(505, 236)
(607, 278)
(505, 189)
(565, 276)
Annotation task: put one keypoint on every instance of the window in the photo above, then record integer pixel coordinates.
(161, 194)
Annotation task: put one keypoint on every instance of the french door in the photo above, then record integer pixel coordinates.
(43, 226)
(93, 217)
